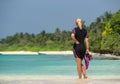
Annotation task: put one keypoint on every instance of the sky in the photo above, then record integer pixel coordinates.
(34, 16)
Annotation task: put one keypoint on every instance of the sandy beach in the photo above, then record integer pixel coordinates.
(49, 52)
(98, 81)
(58, 80)
(18, 52)
(56, 52)
(36, 53)
(52, 53)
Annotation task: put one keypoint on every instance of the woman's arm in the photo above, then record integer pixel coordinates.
(74, 39)
(87, 45)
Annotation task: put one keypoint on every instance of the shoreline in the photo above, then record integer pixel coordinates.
(50, 53)
(52, 77)
(36, 53)
(18, 53)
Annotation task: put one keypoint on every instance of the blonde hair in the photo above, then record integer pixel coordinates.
(78, 20)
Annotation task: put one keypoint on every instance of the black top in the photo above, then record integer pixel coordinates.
(80, 35)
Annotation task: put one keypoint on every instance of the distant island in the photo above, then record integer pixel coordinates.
(104, 37)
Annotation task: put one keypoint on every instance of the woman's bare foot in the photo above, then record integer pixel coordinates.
(85, 76)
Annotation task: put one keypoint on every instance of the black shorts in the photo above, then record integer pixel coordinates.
(79, 51)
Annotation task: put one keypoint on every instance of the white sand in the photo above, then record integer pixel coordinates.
(18, 52)
(52, 53)
(58, 80)
(68, 81)
(57, 52)
(51, 77)
(36, 53)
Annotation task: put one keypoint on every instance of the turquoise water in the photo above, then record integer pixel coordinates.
(54, 65)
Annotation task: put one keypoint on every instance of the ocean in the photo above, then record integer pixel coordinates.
(63, 65)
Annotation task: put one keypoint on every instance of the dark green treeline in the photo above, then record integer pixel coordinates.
(59, 40)
(105, 33)
(104, 37)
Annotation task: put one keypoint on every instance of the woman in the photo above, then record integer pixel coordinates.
(80, 37)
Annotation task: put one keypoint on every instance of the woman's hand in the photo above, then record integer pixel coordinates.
(77, 42)
(87, 50)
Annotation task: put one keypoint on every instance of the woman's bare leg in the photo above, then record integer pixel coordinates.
(79, 67)
(84, 72)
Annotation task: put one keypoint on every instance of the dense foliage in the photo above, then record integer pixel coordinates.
(111, 35)
(59, 40)
(105, 33)
(104, 37)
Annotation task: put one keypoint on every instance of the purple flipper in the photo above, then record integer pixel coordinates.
(87, 58)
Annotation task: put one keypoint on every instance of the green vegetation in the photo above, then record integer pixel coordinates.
(105, 34)
(111, 35)
(59, 40)
(104, 37)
